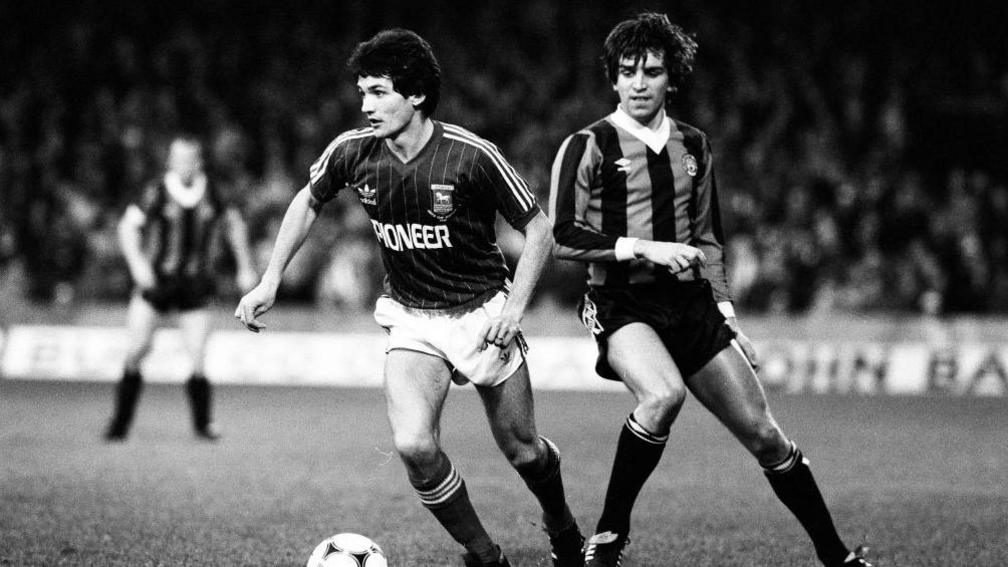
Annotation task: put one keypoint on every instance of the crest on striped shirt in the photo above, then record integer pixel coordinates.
(442, 201)
(689, 164)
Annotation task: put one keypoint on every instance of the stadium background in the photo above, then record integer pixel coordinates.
(860, 150)
(860, 147)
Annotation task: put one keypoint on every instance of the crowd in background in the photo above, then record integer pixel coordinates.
(860, 148)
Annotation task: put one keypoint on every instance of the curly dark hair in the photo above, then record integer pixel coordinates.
(406, 59)
(650, 31)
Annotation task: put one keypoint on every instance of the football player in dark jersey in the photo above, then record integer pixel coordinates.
(167, 236)
(634, 197)
(433, 191)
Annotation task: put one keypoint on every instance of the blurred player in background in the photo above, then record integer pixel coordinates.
(433, 191)
(167, 236)
(634, 196)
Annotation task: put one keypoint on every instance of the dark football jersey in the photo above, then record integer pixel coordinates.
(434, 215)
(179, 240)
(606, 183)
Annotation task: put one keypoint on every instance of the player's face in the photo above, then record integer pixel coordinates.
(642, 85)
(388, 112)
(185, 159)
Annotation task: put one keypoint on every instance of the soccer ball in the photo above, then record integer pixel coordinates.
(347, 550)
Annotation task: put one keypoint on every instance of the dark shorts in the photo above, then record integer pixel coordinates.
(683, 314)
(179, 294)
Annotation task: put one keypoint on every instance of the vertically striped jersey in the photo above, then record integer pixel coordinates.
(608, 183)
(434, 215)
(179, 237)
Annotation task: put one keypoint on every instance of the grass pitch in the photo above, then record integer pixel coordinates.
(921, 480)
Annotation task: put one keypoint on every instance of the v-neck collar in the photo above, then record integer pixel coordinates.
(428, 147)
(654, 139)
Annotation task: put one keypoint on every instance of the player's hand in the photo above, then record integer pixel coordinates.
(247, 280)
(675, 255)
(143, 277)
(255, 303)
(499, 331)
(745, 344)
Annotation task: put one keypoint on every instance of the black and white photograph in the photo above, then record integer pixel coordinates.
(372, 283)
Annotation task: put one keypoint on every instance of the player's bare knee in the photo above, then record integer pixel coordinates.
(663, 402)
(416, 451)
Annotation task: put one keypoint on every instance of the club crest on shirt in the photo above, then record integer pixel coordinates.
(442, 201)
(689, 164)
(367, 195)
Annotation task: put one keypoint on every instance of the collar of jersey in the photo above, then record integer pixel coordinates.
(187, 196)
(654, 139)
(428, 145)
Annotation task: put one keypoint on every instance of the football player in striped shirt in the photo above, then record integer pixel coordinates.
(634, 197)
(433, 191)
(167, 236)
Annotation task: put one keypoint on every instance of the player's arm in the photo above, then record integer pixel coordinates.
(748, 350)
(130, 242)
(571, 179)
(297, 222)
(237, 235)
(708, 236)
(325, 179)
(535, 252)
(574, 173)
(517, 204)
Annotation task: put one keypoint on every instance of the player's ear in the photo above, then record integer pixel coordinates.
(416, 100)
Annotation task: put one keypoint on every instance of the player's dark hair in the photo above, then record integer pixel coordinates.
(650, 31)
(406, 59)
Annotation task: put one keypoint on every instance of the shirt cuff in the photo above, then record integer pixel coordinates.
(726, 308)
(624, 248)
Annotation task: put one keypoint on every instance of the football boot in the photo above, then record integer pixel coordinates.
(567, 548)
(605, 550)
(858, 559)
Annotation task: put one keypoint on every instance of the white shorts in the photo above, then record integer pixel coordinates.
(452, 336)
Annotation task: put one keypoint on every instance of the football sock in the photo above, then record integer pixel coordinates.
(445, 495)
(544, 480)
(127, 394)
(637, 454)
(794, 485)
(200, 394)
